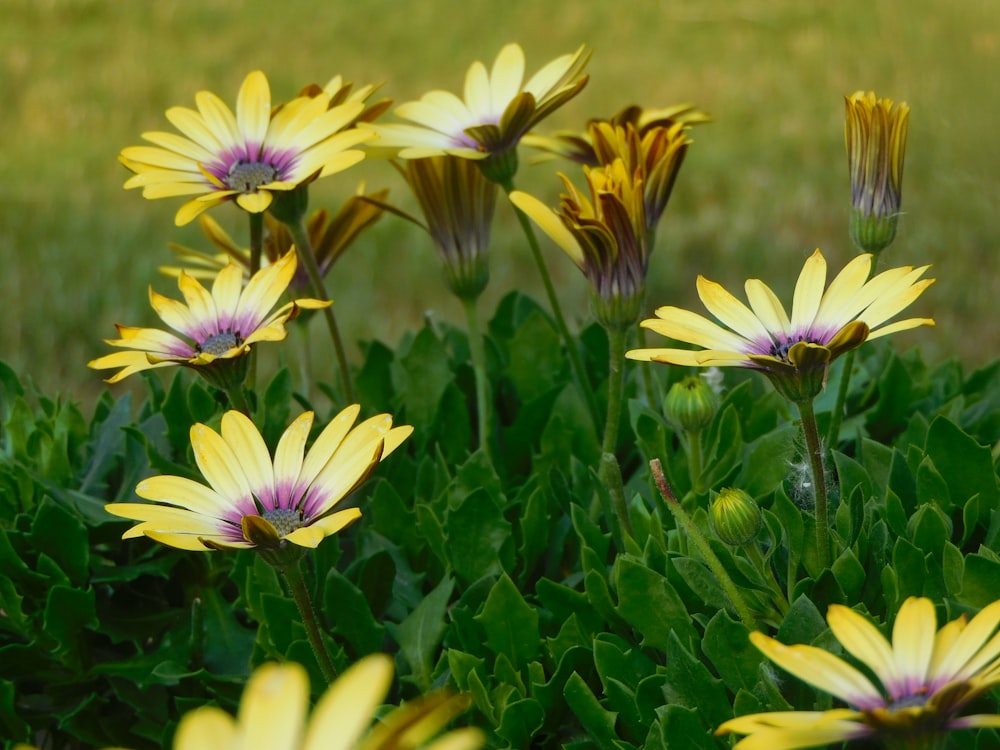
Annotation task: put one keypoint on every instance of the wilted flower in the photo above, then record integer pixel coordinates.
(927, 678)
(252, 501)
(249, 156)
(875, 133)
(221, 326)
(604, 234)
(794, 353)
(498, 109)
(328, 236)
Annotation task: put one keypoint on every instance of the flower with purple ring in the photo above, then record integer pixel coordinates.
(927, 676)
(252, 501)
(246, 156)
(794, 352)
(221, 326)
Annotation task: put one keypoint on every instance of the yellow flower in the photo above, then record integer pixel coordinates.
(252, 501)
(248, 156)
(927, 677)
(498, 109)
(457, 202)
(272, 715)
(875, 134)
(793, 352)
(221, 326)
(329, 238)
(604, 234)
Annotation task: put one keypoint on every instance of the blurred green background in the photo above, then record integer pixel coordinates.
(762, 186)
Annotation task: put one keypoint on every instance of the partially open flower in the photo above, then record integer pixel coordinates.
(252, 501)
(875, 134)
(604, 234)
(795, 353)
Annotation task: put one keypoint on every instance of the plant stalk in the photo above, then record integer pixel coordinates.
(300, 592)
(814, 447)
(610, 471)
(478, 350)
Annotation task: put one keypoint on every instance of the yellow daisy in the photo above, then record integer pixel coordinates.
(927, 677)
(246, 156)
(220, 326)
(823, 324)
(498, 109)
(273, 715)
(252, 501)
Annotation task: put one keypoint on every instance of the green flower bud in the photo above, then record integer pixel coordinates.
(872, 233)
(736, 517)
(690, 404)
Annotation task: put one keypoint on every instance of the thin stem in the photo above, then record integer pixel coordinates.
(610, 471)
(238, 399)
(646, 371)
(256, 250)
(777, 595)
(833, 434)
(571, 347)
(694, 534)
(695, 461)
(300, 592)
(308, 259)
(484, 414)
(814, 448)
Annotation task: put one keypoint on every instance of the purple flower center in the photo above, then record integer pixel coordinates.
(284, 520)
(220, 343)
(247, 176)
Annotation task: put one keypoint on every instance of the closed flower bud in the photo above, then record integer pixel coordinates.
(691, 404)
(736, 517)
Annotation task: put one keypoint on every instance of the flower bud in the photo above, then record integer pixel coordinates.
(736, 517)
(690, 404)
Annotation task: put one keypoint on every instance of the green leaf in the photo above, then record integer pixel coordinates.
(420, 376)
(648, 602)
(596, 720)
(534, 356)
(511, 625)
(850, 574)
(67, 612)
(765, 461)
(347, 609)
(967, 464)
(520, 721)
(981, 580)
(475, 533)
(727, 645)
(62, 536)
(421, 632)
(930, 528)
(684, 729)
(690, 684)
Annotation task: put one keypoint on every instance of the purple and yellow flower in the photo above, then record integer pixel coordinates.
(254, 501)
(219, 327)
(875, 135)
(498, 108)
(247, 156)
(274, 706)
(794, 352)
(925, 677)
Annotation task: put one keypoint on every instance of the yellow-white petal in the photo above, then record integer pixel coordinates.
(311, 535)
(348, 706)
(273, 708)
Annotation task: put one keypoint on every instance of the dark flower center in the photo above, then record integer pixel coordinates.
(781, 350)
(283, 520)
(247, 176)
(220, 343)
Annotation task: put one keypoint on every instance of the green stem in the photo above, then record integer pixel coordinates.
(814, 448)
(308, 259)
(777, 595)
(610, 472)
(695, 461)
(693, 533)
(833, 434)
(256, 250)
(300, 592)
(484, 415)
(238, 399)
(571, 346)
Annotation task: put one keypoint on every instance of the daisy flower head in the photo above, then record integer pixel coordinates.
(219, 327)
(254, 501)
(925, 678)
(498, 108)
(793, 352)
(603, 231)
(274, 707)
(875, 135)
(249, 156)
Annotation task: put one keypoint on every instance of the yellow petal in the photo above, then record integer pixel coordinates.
(348, 706)
(253, 108)
(550, 223)
(206, 728)
(311, 535)
(273, 707)
(808, 292)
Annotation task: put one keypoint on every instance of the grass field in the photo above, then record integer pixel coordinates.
(762, 186)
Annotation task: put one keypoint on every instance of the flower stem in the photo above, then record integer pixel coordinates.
(308, 259)
(610, 472)
(833, 434)
(571, 347)
(484, 414)
(646, 372)
(778, 597)
(695, 461)
(300, 592)
(693, 533)
(814, 448)
(256, 250)
(238, 399)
